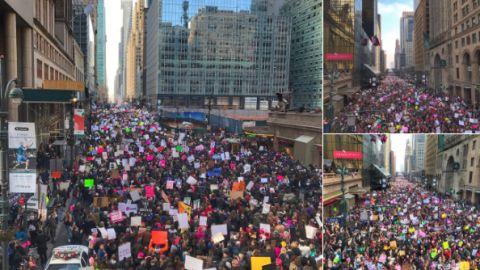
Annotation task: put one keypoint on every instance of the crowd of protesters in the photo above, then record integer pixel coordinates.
(405, 227)
(221, 199)
(396, 106)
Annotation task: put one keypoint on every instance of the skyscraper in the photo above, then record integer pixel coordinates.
(226, 56)
(122, 50)
(397, 54)
(306, 57)
(101, 50)
(406, 40)
(419, 141)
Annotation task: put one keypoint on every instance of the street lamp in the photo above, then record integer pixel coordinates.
(13, 95)
(332, 77)
(74, 101)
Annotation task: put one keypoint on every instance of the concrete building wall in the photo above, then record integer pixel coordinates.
(431, 156)
(440, 19)
(421, 37)
(465, 38)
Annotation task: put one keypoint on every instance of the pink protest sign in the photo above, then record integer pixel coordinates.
(116, 216)
(149, 158)
(163, 163)
(149, 191)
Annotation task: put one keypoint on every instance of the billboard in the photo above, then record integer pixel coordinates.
(22, 157)
(79, 122)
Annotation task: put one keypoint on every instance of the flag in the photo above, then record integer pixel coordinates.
(375, 41)
(184, 208)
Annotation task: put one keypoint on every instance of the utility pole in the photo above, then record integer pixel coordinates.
(3, 166)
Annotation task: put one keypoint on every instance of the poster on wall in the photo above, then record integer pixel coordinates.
(22, 157)
(23, 182)
(79, 122)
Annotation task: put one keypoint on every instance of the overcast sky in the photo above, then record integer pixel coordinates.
(113, 21)
(398, 143)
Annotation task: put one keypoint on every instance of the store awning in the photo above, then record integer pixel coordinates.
(304, 139)
(372, 70)
(48, 96)
(381, 170)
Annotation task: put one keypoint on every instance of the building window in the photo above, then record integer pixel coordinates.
(51, 73)
(39, 69)
(474, 144)
(470, 177)
(456, 59)
(458, 73)
(45, 77)
(472, 161)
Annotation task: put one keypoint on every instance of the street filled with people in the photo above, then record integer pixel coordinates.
(405, 227)
(142, 195)
(396, 106)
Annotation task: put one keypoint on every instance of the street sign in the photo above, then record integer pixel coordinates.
(347, 155)
(338, 57)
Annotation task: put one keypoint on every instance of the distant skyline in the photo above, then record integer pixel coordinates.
(391, 12)
(398, 144)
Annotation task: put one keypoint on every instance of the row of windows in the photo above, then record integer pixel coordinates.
(43, 46)
(45, 72)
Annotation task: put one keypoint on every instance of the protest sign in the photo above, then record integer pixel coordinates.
(192, 263)
(124, 251)
(136, 221)
(221, 228)
(183, 221)
(257, 263)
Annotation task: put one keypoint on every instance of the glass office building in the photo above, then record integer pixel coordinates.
(306, 58)
(228, 54)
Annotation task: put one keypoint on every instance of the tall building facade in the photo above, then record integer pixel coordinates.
(421, 37)
(465, 38)
(339, 38)
(306, 58)
(235, 55)
(397, 54)
(460, 160)
(101, 68)
(431, 151)
(126, 6)
(135, 53)
(440, 51)
(408, 158)
(406, 40)
(418, 163)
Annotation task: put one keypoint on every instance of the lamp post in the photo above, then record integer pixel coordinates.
(15, 95)
(74, 101)
(331, 109)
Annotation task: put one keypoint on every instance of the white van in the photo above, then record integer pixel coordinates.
(71, 257)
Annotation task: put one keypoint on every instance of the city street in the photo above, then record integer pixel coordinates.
(405, 227)
(396, 106)
(216, 191)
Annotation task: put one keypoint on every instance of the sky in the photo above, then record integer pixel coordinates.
(398, 144)
(113, 21)
(391, 12)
